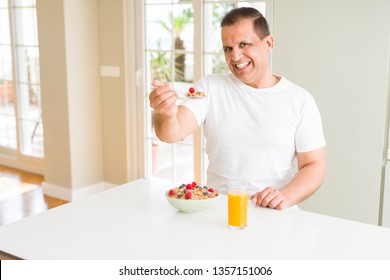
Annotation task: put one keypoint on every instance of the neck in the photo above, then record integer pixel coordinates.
(265, 82)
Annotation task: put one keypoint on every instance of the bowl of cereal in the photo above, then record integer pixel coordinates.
(191, 198)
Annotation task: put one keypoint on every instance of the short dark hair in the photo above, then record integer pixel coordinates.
(260, 25)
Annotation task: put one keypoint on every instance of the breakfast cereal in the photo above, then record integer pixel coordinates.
(192, 191)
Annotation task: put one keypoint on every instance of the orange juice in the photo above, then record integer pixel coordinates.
(237, 209)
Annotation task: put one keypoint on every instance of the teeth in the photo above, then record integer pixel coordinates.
(242, 65)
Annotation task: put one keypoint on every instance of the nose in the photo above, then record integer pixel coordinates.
(236, 54)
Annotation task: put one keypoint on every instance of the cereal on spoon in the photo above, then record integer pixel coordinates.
(192, 92)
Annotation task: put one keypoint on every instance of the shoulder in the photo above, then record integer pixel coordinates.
(215, 82)
(295, 92)
(294, 88)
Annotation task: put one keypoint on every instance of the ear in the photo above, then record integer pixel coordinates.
(269, 41)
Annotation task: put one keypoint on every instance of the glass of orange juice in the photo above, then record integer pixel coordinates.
(237, 204)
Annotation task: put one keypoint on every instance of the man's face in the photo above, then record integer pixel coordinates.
(246, 54)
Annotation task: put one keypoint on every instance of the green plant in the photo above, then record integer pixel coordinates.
(176, 23)
(160, 65)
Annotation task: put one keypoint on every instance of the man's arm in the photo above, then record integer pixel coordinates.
(310, 175)
(171, 122)
(175, 128)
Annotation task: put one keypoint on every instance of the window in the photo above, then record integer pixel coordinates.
(181, 44)
(21, 129)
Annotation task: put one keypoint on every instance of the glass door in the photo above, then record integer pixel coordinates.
(181, 44)
(21, 127)
(169, 57)
(7, 93)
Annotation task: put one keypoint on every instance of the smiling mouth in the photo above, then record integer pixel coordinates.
(242, 66)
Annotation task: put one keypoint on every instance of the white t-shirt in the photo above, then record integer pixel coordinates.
(253, 134)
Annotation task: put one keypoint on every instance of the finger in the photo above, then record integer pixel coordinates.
(168, 107)
(158, 96)
(285, 203)
(282, 205)
(269, 197)
(262, 194)
(254, 198)
(275, 202)
(158, 91)
(158, 99)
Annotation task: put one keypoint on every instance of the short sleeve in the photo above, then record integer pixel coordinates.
(198, 106)
(309, 133)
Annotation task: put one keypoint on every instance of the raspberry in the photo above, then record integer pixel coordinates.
(194, 184)
(188, 195)
(171, 192)
(211, 190)
(192, 90)
(189, 187)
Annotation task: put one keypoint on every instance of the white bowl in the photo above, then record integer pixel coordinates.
(191, 205)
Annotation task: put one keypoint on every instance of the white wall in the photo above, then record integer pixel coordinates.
(54, 88)
(117, 120)
(88, 119)
(85, 115)
(338, 50)
(71, 106)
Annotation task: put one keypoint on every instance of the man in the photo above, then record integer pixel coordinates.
(255, 122)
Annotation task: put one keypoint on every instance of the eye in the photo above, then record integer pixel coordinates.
(227, 49)
(242, 45)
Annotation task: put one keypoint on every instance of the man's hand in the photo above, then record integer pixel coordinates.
(171, 122)
(272, 198)
(311, 172)
(163, 100)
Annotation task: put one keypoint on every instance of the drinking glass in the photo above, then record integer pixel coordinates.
(237, 204)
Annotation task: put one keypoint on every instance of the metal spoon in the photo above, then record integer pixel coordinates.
(180, 93)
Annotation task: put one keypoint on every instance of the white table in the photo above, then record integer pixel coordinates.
(134, 221)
